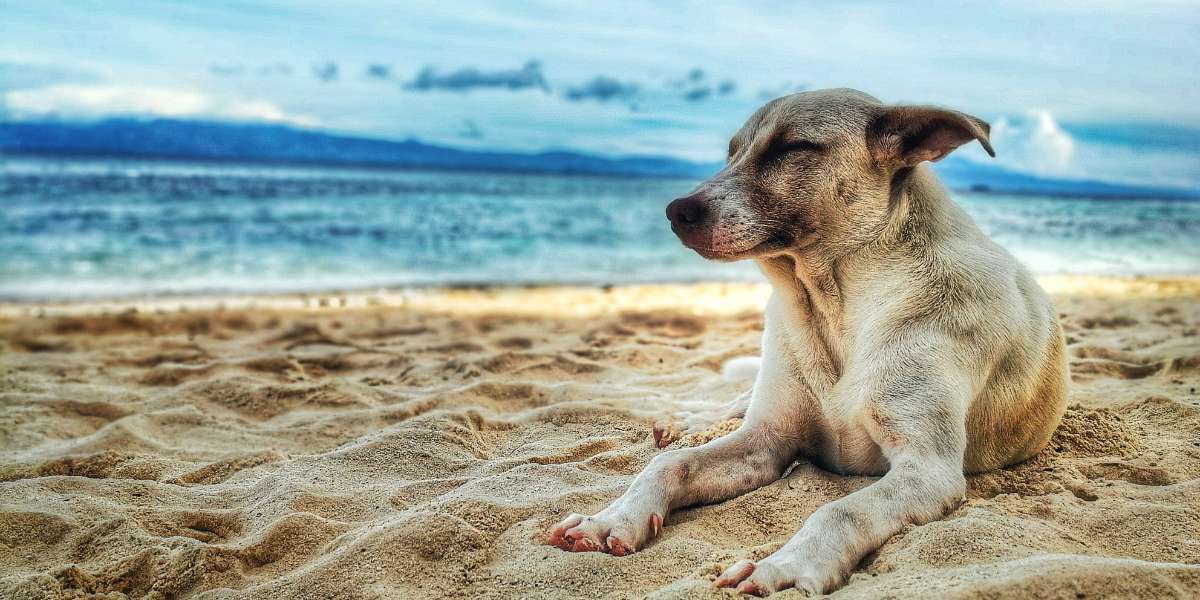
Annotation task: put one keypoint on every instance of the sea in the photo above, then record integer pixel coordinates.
(103, 228)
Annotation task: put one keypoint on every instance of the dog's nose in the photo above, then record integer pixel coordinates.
(687, 212)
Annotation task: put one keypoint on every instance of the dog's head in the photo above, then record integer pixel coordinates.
(812, 167)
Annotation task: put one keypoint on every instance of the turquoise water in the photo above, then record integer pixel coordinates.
(95, 228)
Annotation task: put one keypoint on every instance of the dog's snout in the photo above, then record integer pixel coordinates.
(689, 211)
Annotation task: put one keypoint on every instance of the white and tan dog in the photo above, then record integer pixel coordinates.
(899, 341)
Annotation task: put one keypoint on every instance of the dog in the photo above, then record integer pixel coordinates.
(899, 341)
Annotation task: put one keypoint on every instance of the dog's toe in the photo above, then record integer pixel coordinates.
(583, 539)
(765, 578)
(557, 534)
(734, 575)
(664, 433)
(616, 534)
(752, 588)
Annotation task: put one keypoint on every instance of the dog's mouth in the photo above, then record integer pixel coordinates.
(769, 245)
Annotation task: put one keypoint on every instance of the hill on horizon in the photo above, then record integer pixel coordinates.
(211, 140)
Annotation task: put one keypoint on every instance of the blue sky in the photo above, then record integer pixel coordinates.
(1103, 90)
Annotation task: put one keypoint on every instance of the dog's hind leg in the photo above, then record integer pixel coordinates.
(746, 459)
(695, 420)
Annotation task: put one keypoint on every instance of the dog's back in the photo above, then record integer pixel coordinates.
(969, 285)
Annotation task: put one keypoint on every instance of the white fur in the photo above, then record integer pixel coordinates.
(744, 368)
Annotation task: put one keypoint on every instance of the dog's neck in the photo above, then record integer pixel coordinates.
(811, 277)
(809, 286)
(920, 213)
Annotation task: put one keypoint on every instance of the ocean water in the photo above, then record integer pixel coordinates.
(102, 228)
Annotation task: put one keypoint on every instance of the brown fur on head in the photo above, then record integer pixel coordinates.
(814, 168)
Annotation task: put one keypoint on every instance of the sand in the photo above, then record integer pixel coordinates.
(418, 444)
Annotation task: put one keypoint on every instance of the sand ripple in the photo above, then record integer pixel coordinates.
(412, 452)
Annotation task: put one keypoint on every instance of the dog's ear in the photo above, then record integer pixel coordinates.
(902, 136)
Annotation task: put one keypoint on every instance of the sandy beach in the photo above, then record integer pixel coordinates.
(417, 444)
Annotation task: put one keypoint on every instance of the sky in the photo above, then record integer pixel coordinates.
(1098, 90)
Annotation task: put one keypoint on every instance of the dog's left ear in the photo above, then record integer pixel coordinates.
(903, 136)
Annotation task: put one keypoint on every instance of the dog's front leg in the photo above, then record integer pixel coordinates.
(752, 456)
(726, 467)
(918, 421)
(832, 541)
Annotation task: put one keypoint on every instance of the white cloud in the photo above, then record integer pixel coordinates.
(97, 101)
(1034, 143)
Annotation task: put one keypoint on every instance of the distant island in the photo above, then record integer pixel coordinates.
(243, 142)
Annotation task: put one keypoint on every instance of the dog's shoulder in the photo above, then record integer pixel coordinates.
(961, 283)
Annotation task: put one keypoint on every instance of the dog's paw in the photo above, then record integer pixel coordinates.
(694, 430)
(613, 534)
(767, 576)
(666, 432)
(685, 425)
(700, 422)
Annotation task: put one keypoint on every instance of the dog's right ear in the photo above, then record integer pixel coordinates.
(903, 136)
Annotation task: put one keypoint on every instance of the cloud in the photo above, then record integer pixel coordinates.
(1033, 142)
(470, 130)
(99, 101)
(237, 70)
(602, 89)
(695, 86)
(278, 68)
(470, 78)
(692, 77)
(379, 71)
(1155, 136)
(697, 94)
(326, 71)
(225, 70)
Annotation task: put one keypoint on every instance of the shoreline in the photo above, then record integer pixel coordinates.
(706, 297)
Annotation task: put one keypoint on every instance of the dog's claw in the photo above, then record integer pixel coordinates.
(664, 434)
(749, 587)
(558, 534)
(735, 574)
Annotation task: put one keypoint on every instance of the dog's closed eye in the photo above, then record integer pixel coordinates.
(783, 148)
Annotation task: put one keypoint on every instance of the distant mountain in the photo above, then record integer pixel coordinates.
(202, 140)
(965, 175)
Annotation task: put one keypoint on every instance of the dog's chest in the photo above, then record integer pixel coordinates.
(812, 347)
(817, 356)
(844, 446)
